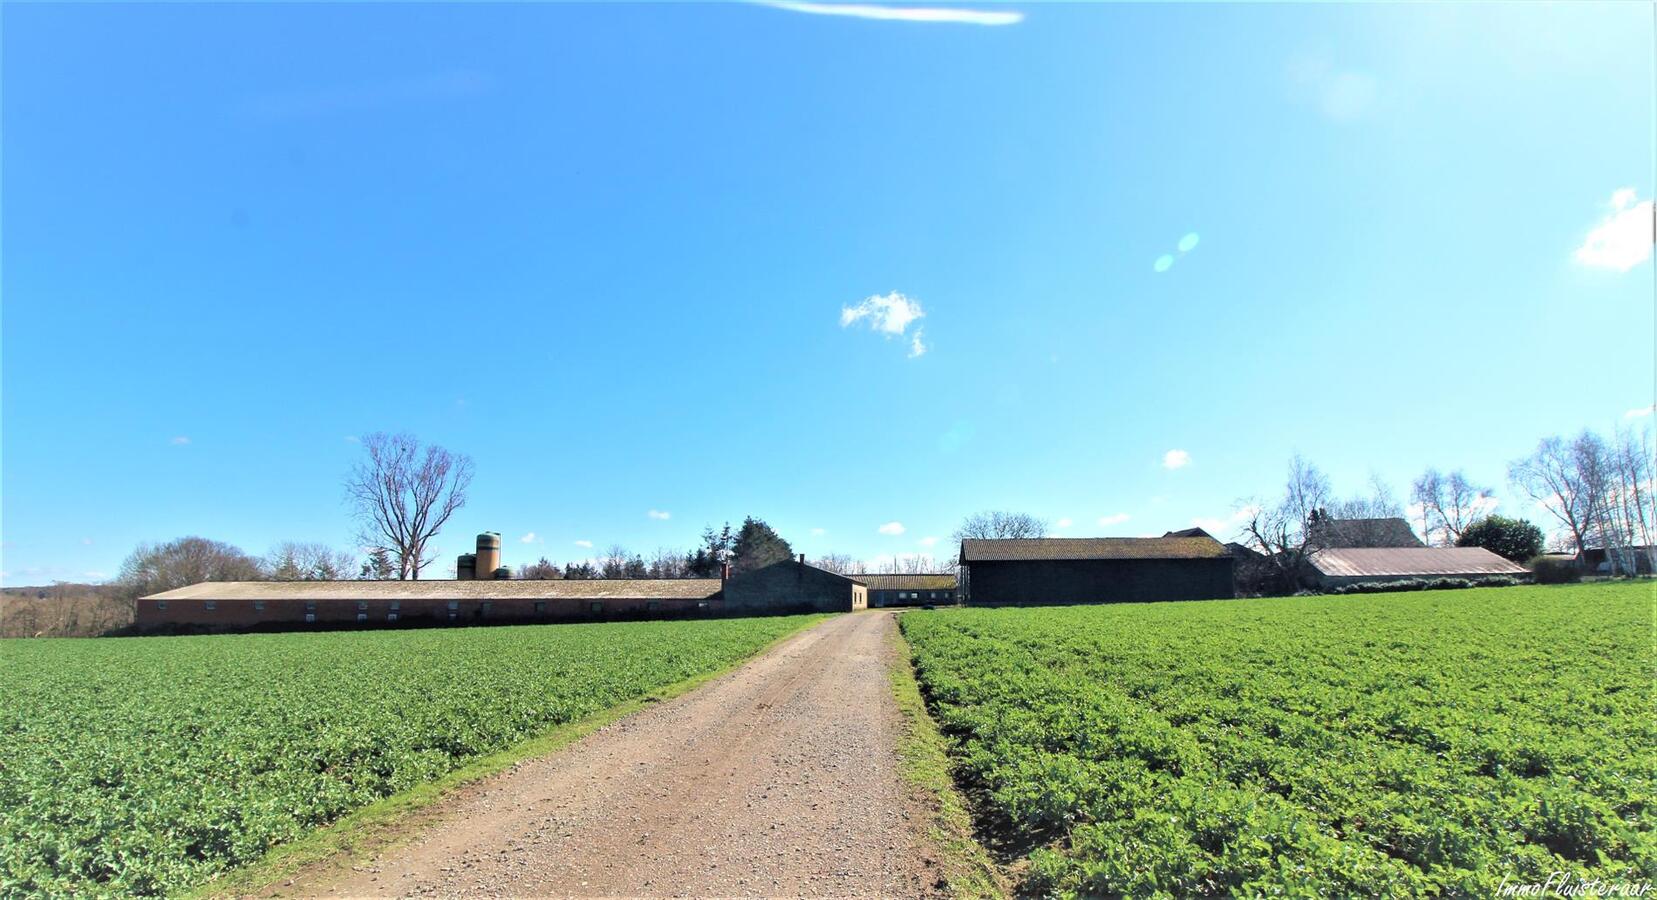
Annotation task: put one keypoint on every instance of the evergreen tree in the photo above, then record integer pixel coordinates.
(757, 545)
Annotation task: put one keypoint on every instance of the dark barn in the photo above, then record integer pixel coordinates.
(1051, 571)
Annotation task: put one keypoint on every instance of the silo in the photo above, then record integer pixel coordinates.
(466, 567)
(489, 554)
(503, 573)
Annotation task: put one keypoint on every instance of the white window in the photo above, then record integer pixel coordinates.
(362, 617)
(391, 616)
(310, 617)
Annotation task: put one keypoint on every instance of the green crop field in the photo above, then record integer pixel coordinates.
(1376, 745)
(147, 765)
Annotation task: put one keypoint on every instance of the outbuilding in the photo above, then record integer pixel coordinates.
(909, 590)
(1341, 566)
(793, 585)
(1048, 571)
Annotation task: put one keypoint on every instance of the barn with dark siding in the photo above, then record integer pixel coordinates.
(1049, 571)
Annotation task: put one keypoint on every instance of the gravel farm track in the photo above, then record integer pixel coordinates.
(780, 778)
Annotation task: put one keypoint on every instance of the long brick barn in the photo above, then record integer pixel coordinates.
(1047, 571)
(485, 593)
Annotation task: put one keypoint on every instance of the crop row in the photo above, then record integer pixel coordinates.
(1385, 745)
(147, 765)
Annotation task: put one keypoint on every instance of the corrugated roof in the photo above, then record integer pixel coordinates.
(942, 582)
(976, 550)
(1411, 562)
(594, 589)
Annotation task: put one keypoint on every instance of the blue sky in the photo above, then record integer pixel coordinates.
(639, 259)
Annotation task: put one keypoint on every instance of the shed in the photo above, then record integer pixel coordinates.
(1047, 571)
(1338, 566)
(793, 585)
(909, 590)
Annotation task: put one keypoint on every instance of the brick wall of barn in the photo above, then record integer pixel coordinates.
(1048, 582)
(243, 614)
(791, 586)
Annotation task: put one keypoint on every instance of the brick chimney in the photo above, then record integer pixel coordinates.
(802, 559)
(724, 573)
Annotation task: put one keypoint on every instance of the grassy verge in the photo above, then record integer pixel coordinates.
(332, 851)
(967, 868)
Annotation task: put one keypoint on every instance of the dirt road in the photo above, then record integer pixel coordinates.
(778, 779)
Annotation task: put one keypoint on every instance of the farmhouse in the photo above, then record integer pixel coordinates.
(1044, 571)
(909, 590)
(1339, 566)
(1391, 531)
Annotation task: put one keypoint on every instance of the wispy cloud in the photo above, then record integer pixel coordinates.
(928, 541)
(1621, 240)
(1176, 459)
(530, 538)
(892, 528)
(587, 544)
(1342, 94)
(899, 13)
(86, 542)
(1640, 413)
(818, 532)
(1063, 523)
(352, 439)
(179, 441)
(1227, 526)
(659, 515)
(1117, 519)
(888, 315)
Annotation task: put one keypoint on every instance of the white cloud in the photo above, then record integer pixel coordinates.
(1117, 519)
(892, 528)
(818, 532)
(95, 576)
(898, 13)
(1176, 459)
(1229, 526)
(659, 515)
(1621, 240)
(1640, 413)
(889, 315)
(1064, 523)
(530, 539)
(928, 541)
(179, 441)
(1341, 94)
(586, 544)
(352, 439)
(86, 542)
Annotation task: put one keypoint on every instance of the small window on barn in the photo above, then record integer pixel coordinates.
(160, 605)
(454, 605)
(701, 604)
(596, 606)
(391, 616)
(310, 606)
(362, 617)
(540, 606)
(258, 606)
(653, 604)
(212, 604)
(310, 617)
(396, 606)
(484, 609)
(362, 606)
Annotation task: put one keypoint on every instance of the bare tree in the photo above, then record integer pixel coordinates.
(298, 561)
(1569, 480)
(995, 524)
(1449, 504)
(403, 495)
(841, 564)
(541, 570)
(912, 564)
(1632, 499)
(1282, 532)
(152, 568)
(667, 562)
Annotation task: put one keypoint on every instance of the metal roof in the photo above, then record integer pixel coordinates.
(939, 582)
(1015, 549)
(581, 589)
(1411, 562)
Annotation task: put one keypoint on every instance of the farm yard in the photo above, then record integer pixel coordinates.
(147, 766)
(1397, 745)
